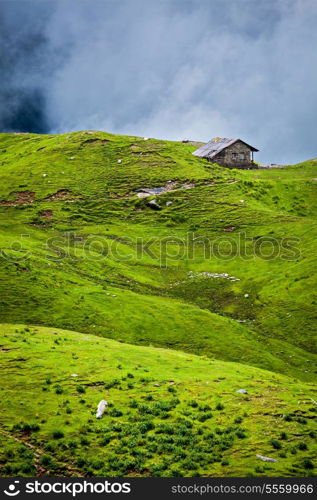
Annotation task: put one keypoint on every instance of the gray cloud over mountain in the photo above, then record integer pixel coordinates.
(170, 69)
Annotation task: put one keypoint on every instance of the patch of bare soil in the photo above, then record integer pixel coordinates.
(197, 144)
(21, 198)
(93, 141)
(229, 229)
(60, 195)
(187, 185)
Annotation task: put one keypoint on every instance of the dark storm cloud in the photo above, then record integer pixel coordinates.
(22, 92)
(171, 69)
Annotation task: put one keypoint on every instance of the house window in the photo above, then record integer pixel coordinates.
(241, 156)
(234, 156)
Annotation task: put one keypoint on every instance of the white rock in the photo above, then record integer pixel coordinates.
(101, 408)
(143, 195)
(74, 375)
(146, 138)
(242, 391)
(119, 161)
(246, 295)
(44, 175)
(72, 157)
(241, 201)
(266, 459)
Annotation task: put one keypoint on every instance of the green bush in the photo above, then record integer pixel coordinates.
(193, 403)
(301, 420)
(80, 462)
(204, 416)
(80, 389)
(105, 440)
(46, 460)
(241, 434)
(58, 434)
(84, 441)
(204, 408)
(302, 446)
(26, 427)
(72, 444)
(308, 464)
(165, 429)
(276, 444)
(28, 468)
(145, 427)
(238, 420)
(97, 464)
(115, 413)
(49, 447)
(172, 390)
(288, 418)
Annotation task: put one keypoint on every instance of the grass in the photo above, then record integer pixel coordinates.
(203, 427)
(224, 270)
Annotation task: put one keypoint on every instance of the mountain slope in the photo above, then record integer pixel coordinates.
(82, 251)
(169, 413)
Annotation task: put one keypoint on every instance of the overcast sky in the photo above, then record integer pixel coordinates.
(169, 69)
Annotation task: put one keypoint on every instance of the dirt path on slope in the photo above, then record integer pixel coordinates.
(38, 452)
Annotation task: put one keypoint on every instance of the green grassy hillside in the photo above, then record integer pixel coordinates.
(82, 251)
(222, 268)
(169, 414)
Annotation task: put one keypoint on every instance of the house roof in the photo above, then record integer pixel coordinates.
(213, 147)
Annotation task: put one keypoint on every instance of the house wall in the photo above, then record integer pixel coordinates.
(238, 155)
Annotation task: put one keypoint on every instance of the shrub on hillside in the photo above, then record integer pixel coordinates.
(276, 444)
(57, 434)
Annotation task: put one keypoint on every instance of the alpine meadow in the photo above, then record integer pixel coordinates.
(181, 292)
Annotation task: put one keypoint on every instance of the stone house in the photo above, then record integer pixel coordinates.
(232, 153)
